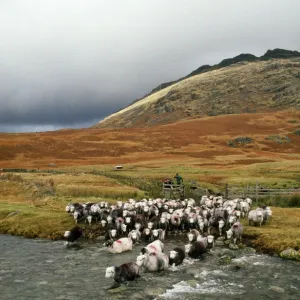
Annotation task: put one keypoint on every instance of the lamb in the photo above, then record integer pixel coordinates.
(235, 232)
(119, 246)
(153, 262)
(125, 272)
(256, 217)
(176, 256)
(73, 235)
(195, 250)
(154, 247)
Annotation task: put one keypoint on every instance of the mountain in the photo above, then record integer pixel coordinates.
(244, 83)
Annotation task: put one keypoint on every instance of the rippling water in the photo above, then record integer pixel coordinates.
(42, 269)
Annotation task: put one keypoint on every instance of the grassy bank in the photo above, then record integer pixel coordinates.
(33, 204)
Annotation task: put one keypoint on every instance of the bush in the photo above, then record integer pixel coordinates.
(278, 139)
(239, 141)
(297, 132)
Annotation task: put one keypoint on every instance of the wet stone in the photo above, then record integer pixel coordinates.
(224, 260)
(117, 290)
(233, 246)
(192, 283)
(276, 289)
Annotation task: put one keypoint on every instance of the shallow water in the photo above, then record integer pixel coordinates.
(42, 269)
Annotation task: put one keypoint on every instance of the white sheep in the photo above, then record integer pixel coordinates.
(154, 247)
(256, 217)
(153, 262)
(119, 246)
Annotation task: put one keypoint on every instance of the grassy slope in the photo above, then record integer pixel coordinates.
(244, 87)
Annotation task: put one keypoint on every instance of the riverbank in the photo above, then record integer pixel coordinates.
(33, 206)
(281, 232)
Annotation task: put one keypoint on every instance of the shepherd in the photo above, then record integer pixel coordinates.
(178, 178)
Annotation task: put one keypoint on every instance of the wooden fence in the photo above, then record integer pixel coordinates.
(256, 191)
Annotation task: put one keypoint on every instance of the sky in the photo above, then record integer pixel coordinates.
(70, 63)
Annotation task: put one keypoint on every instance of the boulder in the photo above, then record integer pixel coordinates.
(290, 254)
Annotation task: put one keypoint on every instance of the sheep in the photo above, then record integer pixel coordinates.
(146, 235)
(256, 217)
(73, 235)
(163, 224)
(175, 221)
(125, 272)
(203, 240)
(78, 214)
(135, 236)
(267, 213)
(154, 247)
(235, 232)
(232, 220)
(210, 242)
(195, 250)
(158, 234)
(176, 256)
(119, 246)
(153, 262)
(193, 235)
(245, 207)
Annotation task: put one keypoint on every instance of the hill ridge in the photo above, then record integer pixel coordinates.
(245, 83)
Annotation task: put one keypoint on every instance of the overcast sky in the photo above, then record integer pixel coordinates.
(69, 63)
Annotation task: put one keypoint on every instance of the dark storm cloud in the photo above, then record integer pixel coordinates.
(72, 62)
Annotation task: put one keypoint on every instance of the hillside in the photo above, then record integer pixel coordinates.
(210, 141)
(234, 86)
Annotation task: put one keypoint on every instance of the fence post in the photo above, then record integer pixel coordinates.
(226, 191)
(256, 193)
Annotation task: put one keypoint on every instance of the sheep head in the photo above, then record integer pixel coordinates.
(173, 254)
(110, 272)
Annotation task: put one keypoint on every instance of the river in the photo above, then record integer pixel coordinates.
(43, 269)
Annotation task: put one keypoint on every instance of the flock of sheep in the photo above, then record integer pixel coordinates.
(152, 220)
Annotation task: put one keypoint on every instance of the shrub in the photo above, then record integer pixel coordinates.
(297, 132)
(278, 139)
(239, 141)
